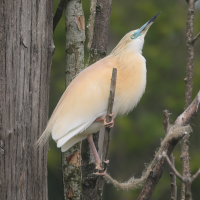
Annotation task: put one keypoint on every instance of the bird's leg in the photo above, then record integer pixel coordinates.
(109, 124)
(95, 153)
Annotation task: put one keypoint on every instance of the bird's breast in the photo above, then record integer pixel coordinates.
(131, 83)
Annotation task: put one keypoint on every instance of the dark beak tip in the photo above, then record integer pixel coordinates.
(154, 17)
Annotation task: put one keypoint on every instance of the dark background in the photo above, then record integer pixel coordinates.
(136, 137)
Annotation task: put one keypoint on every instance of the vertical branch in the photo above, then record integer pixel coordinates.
(98, 28)
(75, 37)
(171, 157)
(107, 130)
(188, 93)
(190, 53)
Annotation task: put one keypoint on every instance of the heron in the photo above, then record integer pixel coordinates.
(81, 111)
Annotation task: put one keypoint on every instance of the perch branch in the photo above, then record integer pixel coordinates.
(155, 169)
(58, 13)
(109, 117)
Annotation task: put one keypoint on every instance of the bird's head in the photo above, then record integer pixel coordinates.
(134, 40)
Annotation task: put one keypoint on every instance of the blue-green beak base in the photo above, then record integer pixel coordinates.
(145, 27)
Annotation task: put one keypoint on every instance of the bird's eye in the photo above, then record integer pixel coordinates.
(132, 36)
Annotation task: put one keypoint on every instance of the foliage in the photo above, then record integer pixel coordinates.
(136, 136)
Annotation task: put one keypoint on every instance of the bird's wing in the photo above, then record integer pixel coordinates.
(85, 99)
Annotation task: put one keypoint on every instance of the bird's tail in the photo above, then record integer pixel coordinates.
(43, 138)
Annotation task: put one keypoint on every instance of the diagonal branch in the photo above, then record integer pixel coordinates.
(195, 175)
(195, 38)
(154, 171)
(58, 14)
(173, 168)
(183, 120)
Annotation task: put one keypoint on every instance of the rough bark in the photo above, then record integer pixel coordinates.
(26, 50)
(185, 158)
(98, 28)
(75, 37)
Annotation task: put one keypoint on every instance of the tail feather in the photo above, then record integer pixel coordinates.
(43, 138)
(47, 132)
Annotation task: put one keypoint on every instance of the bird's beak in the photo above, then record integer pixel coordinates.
(146, 26)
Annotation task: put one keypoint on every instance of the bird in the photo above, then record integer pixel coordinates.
(81, 110)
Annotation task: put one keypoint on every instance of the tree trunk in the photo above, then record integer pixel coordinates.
(98, 28)
(26, 50)
(75, 37)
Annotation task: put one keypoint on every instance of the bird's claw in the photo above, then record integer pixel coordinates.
(106, 161)
(98, 166)
(101, 174)
(108, 124)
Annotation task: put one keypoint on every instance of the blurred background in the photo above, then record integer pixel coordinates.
(136, 137)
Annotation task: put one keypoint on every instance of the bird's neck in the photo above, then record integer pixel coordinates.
(127, 59)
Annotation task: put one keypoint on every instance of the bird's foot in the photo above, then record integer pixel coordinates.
(98, 166)
(109, 124)
(106, 161)
(101, 173)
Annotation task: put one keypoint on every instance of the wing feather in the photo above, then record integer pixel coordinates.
(84, 100)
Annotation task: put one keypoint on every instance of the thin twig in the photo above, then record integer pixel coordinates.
(171, 173)
(195, 175)
(195, 38)
(166, 120)
(58, 13)
(109, 116)
(173, 168)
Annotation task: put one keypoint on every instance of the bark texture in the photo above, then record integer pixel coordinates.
(185, 158)
(26, 50)
(75, 37)
(98, 29)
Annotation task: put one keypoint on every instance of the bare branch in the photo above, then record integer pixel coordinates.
(173, 179)
(155, 169)
(173, 168)
(195, 175)
(109, 116)
(189, 113)
(58, 13)
(185, 158)
(171, 173)
(195, 38)
(166, 120)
